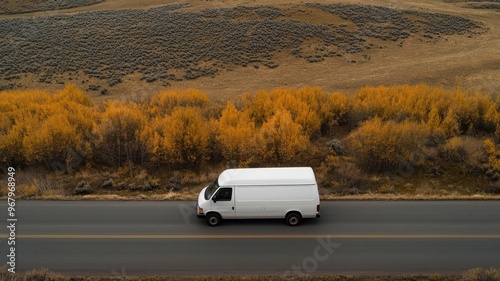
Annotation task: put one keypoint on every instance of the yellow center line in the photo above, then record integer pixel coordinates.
(254, 236)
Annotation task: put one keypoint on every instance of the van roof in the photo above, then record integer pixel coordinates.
(267, 176)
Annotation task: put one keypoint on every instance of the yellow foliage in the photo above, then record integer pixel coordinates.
(450, 126)
(309, 107)
(272, 127)
(180, 139)
(434, 123)
(79, 108)
(119, 134)
(72, 94)
(454, 150)
(36, 126)
(11, 144)
(235, 135)
(334, 107)
(384, 145)
(329, 165)
(493, 155)
(280, 139)
(164, 103)
(460, 111)
(188, 136)
(259, 106)
(50, 139)
(492, 117)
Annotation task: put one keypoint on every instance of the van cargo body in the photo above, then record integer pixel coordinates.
(252, 193)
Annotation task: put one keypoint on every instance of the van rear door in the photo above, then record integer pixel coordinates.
(223, 202)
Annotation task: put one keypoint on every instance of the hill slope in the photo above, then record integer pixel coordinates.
(226, 48)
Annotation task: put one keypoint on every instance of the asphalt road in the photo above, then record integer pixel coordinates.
(138, 238)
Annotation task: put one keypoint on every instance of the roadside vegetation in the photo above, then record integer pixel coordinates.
(398, 140)
(477, 274)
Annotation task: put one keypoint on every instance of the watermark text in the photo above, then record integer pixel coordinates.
(11, 220)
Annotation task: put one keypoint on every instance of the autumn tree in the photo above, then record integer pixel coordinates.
(383, 145)
(181, 128)
(468, 111)
(316, 111)
(118, 135)
(492, 120)
(434, 121)
(281, 140)
(235, 136)
(179, 140)
(37, 127)
(493, 154)
(188, 137)
(50, 141)
(164, 103)
(334, 109)
(78, 107)
(11, 144)
(450, 126)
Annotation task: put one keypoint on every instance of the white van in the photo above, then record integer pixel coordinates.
(289, 193)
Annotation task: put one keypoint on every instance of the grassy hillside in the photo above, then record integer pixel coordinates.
(24, 6)
(223, 48)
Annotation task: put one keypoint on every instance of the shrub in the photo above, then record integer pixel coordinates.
(450, 126)
(36, 127)
(324, 172)
(182, 129)
(50, 140)
(43, 274)
(493, 154)
(348, 179)
(309, 107)
(447, 112)
(235, 136)
(11, 145)
(281, 140)
(334, 110)
(82, 188)
(481, 274)
(454, 150)
(118, 139)
(164, 103)
(382, 146)
(467, 152)
(179, 140)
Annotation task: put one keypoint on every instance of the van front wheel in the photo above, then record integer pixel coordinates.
(293, 219)
(213, 219)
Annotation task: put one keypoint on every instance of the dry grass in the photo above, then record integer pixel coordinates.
(336, 183)
(477, 274)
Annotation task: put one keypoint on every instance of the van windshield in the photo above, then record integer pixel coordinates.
(211, 188)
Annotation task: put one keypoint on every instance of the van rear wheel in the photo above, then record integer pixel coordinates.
(293, 219)
(213, 219)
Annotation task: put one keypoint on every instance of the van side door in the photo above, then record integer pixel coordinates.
(223, 202)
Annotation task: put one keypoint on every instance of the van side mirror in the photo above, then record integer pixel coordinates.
(214, 198)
